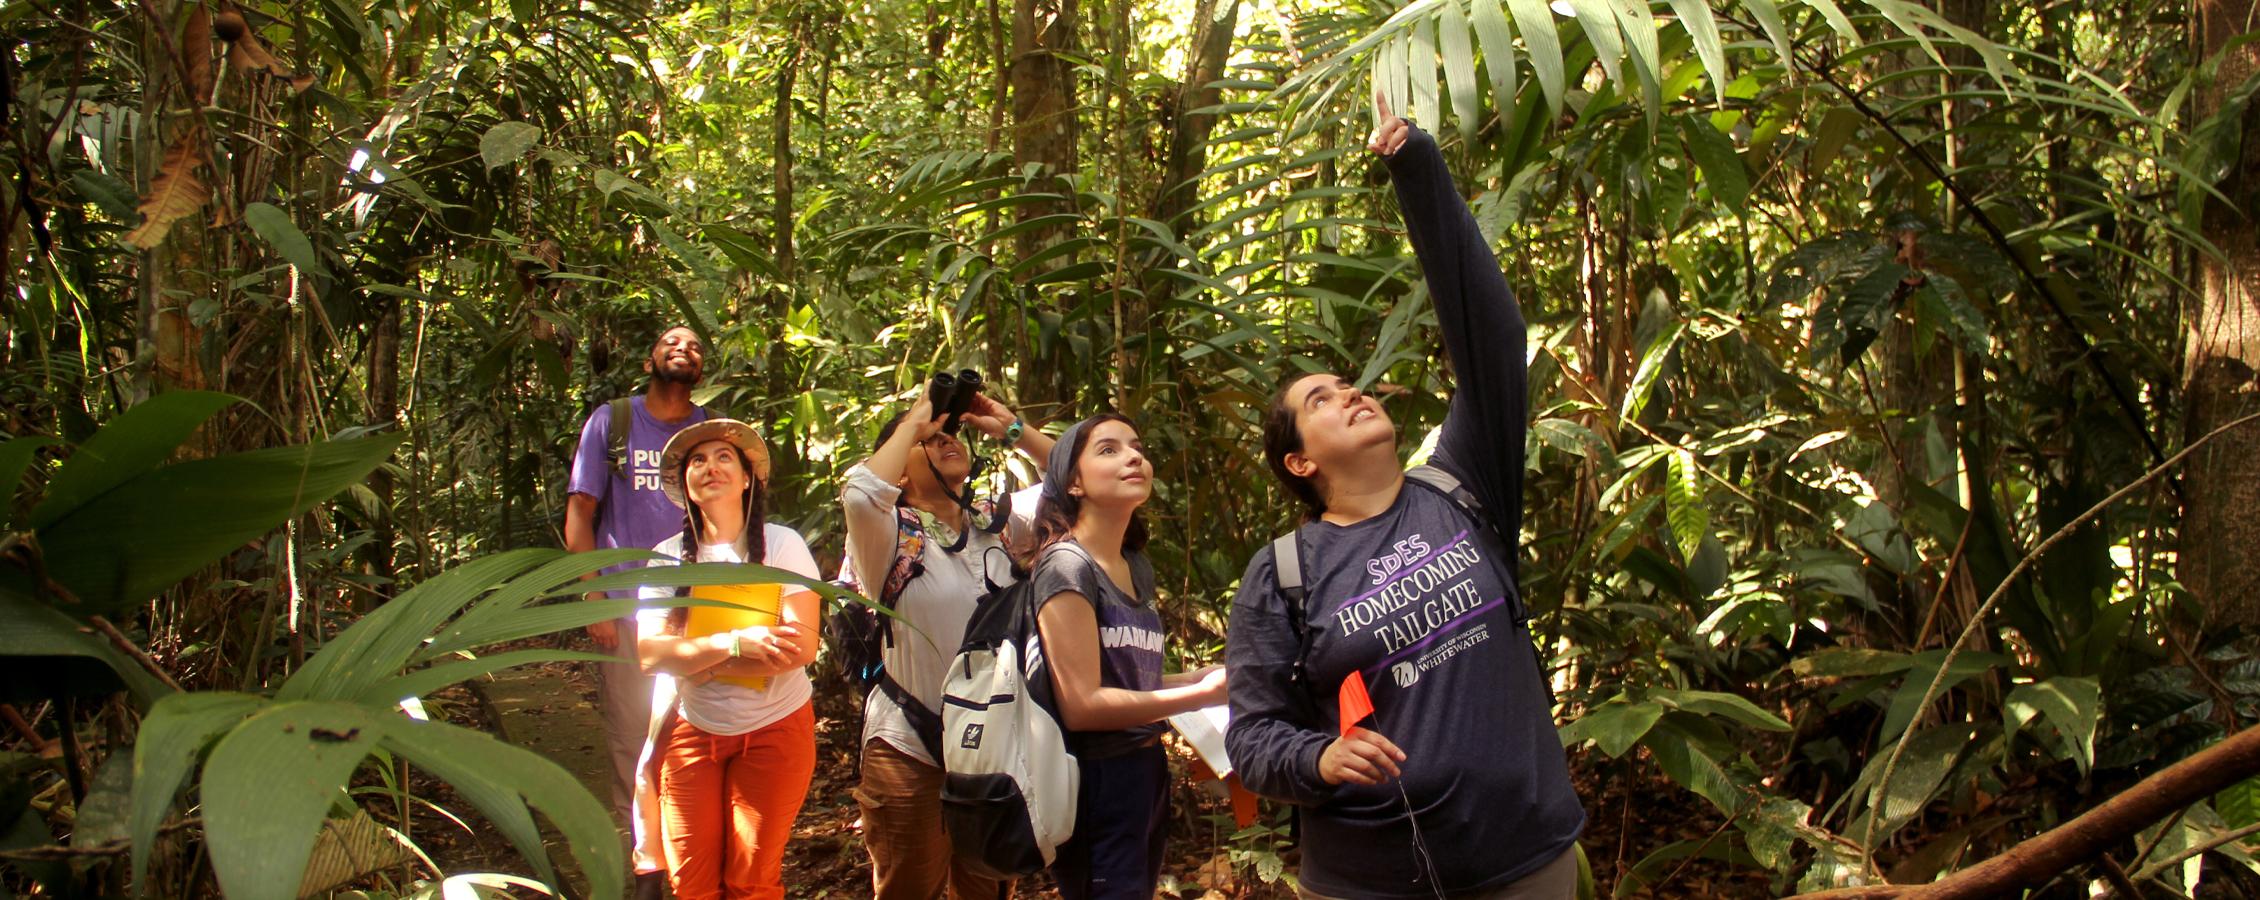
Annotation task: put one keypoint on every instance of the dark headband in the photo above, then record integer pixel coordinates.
(1059, 467)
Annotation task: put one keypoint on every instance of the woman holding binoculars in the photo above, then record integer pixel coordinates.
(916, 543)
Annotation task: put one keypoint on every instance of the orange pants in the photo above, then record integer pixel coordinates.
(727, 804)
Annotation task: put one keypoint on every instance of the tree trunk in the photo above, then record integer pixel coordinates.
(777, 371)
(384, 409)
(1043, 131)
(1188, 155)
(2220, 535)
(783, 152)
(937, 40)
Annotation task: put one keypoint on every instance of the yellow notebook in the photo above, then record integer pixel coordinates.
(755, 605)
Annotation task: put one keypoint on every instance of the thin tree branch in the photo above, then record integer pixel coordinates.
(2041, 858)
(2155, 869)
(1938, 681)
(2117, 877)
(117, 637)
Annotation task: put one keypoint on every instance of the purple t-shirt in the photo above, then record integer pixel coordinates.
(631, 510)
(1130, 635)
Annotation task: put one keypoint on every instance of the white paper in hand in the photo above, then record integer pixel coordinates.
(1204, 729)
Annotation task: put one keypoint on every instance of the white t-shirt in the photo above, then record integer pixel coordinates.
(717, 707)
(937, 603)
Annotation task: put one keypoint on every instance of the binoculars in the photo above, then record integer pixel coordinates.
(952, 396)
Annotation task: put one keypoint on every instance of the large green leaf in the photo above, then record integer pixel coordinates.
(1536, 24)
(381, 644)
(1496, 35)
(470, 629)
(1732, 706)
(1690, 518)
(1642, 52)
(274, 226)
(101, 817)
(1907, 701)
(1715, 156)
(1768, 15)
(145, 534)
(2071, 704)
(1616, 725)
(173, 735)
(1453, 44)
(1695, 753)
(126, 448)
(1695, 16)
(1922, 771)
(45, 654)
(507, 141)
(268, 784)
(2239, 803)
(1599, 19)
(1651, 366)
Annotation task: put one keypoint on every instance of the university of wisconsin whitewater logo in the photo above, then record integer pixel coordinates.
(1406, 673)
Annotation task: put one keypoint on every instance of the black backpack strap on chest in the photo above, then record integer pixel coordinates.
(616, 436)
(925, 723)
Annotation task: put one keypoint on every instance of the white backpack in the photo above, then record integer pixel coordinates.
(1009, 788)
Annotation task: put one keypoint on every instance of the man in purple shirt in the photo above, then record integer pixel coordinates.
(618, 503)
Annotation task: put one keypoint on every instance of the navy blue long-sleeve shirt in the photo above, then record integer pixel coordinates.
(1424, 603)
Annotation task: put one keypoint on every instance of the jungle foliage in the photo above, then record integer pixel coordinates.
(1839, 312)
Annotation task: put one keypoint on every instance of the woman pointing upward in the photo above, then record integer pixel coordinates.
(1456, 786)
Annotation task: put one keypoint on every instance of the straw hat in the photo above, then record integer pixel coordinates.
(739, 434)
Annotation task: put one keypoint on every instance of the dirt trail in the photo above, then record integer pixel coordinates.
(551, 710)
(540, 710)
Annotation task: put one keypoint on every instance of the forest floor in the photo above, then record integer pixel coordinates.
(552, 709)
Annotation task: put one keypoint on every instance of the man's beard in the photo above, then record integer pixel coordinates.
(667, 375)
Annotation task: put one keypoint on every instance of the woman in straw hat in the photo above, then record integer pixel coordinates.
(733, 737)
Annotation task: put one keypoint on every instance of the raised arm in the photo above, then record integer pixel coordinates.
(1481, 323)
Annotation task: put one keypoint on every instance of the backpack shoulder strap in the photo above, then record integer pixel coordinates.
(1287, 570)
(910, 547)
(1287, 566)
(616, 439)
(1444, 482)
(1448, 484)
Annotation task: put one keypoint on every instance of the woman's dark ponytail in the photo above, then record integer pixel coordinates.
(1282, 436)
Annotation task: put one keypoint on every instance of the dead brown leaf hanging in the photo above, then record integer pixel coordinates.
(196, 44)
(175, 192)
(249, 54)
